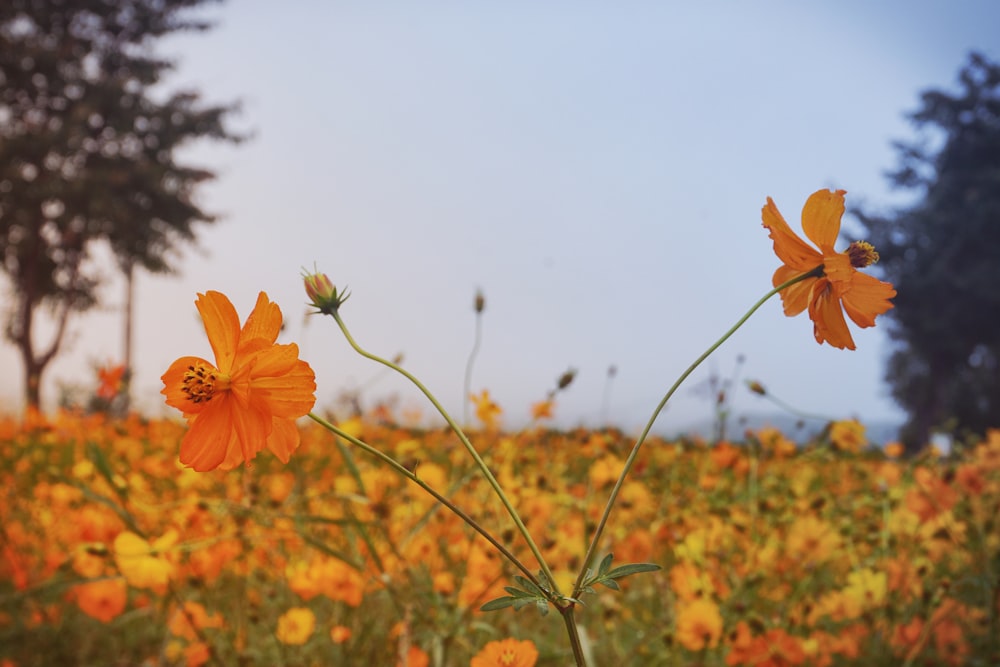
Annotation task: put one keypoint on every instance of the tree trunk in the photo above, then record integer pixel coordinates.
(126, 391)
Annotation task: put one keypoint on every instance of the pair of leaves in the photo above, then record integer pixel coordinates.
(532, 594)
(606, 576)
(528, 594)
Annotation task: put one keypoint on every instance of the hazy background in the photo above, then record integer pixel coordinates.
(597, 169)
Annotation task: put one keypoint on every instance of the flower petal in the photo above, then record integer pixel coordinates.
(262, 326)
(829, 324)
(789, 248)
(222, 325)
(283, 382)
(821, 218)
(204, 446)
(284, 438)
(794, 298)
(866, 298)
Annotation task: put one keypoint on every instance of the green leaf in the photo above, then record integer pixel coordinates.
(610, 583)
(499, 603)
(631, 568)
(528, 584)
(605, 565)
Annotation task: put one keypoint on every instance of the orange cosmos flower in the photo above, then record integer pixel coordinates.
(837, 287)
(109, 381)
(250, 398)
(506, 653)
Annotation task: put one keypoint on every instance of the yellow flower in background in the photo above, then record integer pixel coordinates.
(848, 435)
(295, 626)
(487, 411)
(811, 541)
(250, 398)
(506, 653)
(143, 563)
(838, 287)
(699, 625)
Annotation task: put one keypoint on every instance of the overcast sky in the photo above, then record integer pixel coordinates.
(597, 169)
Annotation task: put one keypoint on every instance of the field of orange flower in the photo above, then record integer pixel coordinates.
(828, 554)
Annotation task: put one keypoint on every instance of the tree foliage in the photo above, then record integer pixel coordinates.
(943, 255)
(87, 154)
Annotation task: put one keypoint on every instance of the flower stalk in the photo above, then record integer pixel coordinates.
(550, 583)
(410, 475)
(634, 453)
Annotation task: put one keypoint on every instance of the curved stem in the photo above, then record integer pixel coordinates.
(630, 461)
(487, 473)
(405, 472)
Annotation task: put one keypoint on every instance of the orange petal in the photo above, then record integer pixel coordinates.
(222, 325)
(262, 326)
(795, 298)
(252, 425)
(204, 446)
(866, 298)
(290, 393)
(789, 248)
(821, 218)
(829, 324)
(173, 383)
(284, 439)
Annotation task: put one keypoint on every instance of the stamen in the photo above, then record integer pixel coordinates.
(862, 254)
(200, 382)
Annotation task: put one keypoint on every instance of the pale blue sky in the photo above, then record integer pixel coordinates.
(597, 169)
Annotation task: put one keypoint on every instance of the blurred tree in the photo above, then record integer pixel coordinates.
(87, 144)
(943, 255)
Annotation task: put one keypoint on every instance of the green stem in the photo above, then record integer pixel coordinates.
(405, 472)
(574, 635)
(798, 413)
(468, 446)
(630, 461)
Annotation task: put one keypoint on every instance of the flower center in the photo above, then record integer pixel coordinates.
(862, 254)
(202, 381)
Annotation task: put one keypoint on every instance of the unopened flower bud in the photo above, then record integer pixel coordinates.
(480, 303)
(756, 387)
(566, 379)
(322, 293)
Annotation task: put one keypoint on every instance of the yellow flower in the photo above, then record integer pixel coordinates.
(296, 625)
(837, 287)
(487, 411)
(250, 398)
(699, 625)
(848, 435)
(506, 653)
(142, 563)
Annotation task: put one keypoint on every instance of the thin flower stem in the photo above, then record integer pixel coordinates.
(468, 367)
(405, 472)
(487, 473)
(630, 461)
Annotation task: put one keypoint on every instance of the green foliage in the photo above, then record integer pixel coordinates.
(87, 143)
(941, 254)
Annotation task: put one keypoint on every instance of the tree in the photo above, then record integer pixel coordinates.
(943, 255)
(87, 144)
